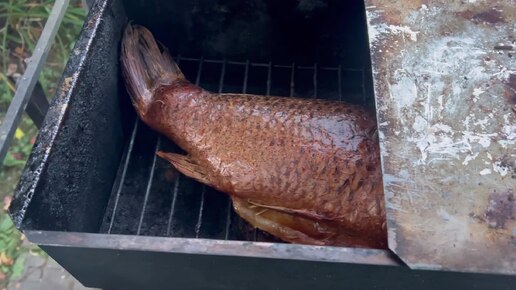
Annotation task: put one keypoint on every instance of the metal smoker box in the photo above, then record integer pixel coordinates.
(95, 197)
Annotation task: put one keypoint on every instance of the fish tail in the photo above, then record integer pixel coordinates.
(145, 66)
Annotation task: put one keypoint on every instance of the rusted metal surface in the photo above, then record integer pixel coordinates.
(445, 86)
(215, 247)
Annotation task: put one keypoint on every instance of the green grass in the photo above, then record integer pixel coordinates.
(21, 23)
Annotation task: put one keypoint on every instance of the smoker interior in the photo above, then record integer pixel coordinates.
(149, 197)
(94, 169)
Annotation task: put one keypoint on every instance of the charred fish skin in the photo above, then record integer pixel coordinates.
(306, 171)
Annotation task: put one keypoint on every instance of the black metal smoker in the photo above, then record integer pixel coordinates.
(96, 198)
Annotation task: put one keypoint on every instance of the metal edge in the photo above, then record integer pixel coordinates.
(376, 21)
(53, 121)
(214, 247)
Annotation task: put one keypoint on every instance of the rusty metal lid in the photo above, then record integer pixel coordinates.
(445, 85)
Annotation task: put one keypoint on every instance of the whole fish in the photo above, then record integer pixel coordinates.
(306, 171)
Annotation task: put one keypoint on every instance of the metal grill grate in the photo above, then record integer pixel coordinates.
(150, 198)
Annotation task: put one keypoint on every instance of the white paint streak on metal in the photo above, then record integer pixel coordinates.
(499, 168)
(420, 124)
(404, 92)
(509, 131)
(428, 104)
(477, 92)
(504, 73)
(442, 213)
(448, 56)
(381, 30)
(482, 123)
(441, 106)
(469, 158)
(483, 139)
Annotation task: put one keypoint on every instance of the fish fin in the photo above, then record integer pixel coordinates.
(145, 66)
(184, 165)
(288, 227)
(301, 212)
(296, 228)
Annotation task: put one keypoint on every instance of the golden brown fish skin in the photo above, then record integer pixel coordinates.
(314, 157)
(305, 165)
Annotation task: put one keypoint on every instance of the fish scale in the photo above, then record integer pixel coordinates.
(305, 170)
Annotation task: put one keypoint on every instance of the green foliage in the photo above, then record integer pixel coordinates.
(17, 268)
(24, 21)
(11, 258)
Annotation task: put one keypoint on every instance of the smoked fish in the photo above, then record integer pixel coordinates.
(304, 170)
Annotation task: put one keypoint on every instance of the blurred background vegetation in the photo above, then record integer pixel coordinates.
(21, 23)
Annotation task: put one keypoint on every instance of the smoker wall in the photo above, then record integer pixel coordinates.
(154, 270)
